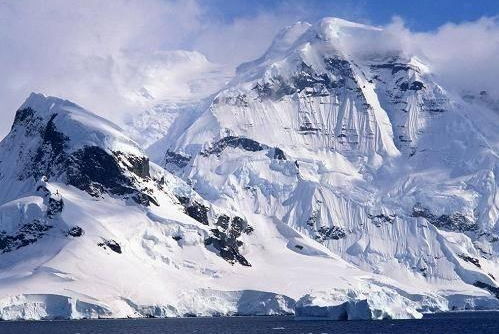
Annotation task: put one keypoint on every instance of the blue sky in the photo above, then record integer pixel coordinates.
(419, 15)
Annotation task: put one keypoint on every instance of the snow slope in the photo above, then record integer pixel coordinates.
(359, 150)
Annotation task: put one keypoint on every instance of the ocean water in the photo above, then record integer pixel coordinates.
(451, 323)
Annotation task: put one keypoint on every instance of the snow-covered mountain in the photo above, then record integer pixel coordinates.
(323, 180)
(359, 150)
(91, 228)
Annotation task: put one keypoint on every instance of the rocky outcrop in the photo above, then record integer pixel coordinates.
(96, 171)
(234, 142)
(454, 222)
(195, 209)
(176, 160)
(111, 244)
(26, 235)
(325, 233)
(225, 239)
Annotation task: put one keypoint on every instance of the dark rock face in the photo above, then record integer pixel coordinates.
(95, 171)
(225, 238)
(380, 219)
(242, 143)
(415, 85)
(471, 260)
(28, 119)
(176, 159)
(55, 207)
(456, 222)
(340, 68)
(307, 128)
(234, 142)
(23, 117)
(195, 210)
(240, 100)
(111, 244)
(312, 83)
(278, 154)
(394, 66)
(307, 81)
(492, 289)
(31, 232)
(330, 233)
(50, 154)
(137, 165)
(75, 231)
(26, 235)
(91, 168)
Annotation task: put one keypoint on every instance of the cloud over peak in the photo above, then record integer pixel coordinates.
(94, 52)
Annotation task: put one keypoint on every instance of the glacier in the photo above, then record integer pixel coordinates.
(323, 180)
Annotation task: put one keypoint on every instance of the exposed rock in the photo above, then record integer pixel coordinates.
(225, 239)
(492, 289)
(415, 85)
(75, 231)
(113, 245)
(470, 259)
(325, 233)
(277, 153)
(137, 165)
(50, 154)
(240, 100)
(95, 171)
(394, 67)
(195, 210)
(176, 159)
(234, 142)
(380, 219)
(308, 128)
(454, 222)
(24, 117)
(26, 235)
(54, 207)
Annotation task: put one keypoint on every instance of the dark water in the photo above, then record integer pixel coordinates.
(452, 323)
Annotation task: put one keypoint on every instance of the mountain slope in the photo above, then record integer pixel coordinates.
(359, 150)
(90, 228)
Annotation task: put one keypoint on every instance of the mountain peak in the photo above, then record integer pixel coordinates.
(82, 127)
(43, 103)
(332, 27)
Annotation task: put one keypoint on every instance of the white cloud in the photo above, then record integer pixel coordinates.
(93, 52)
(465, 56)
(87, 51)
